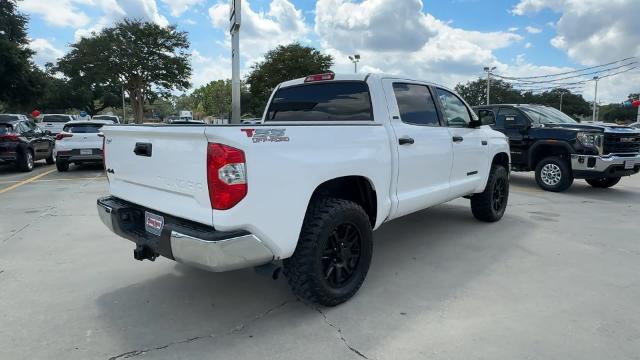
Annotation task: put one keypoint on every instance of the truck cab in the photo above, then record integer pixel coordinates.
(560, 149)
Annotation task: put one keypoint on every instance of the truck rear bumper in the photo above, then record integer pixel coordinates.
(590, 166)
(182, 240)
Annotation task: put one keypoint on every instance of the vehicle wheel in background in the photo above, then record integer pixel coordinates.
(603, 182)
(62, 165)
(51, 159)
(333, 254)
(554, 174)
(490, 204)
(25, 161)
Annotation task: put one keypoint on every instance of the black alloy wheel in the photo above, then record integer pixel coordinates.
(341, 255)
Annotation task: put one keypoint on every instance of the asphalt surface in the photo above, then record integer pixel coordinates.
(557, 278)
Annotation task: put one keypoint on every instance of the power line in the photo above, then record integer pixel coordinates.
(565, 73)
(578, 85)
(567, 77)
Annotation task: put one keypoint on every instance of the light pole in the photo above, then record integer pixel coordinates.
(355, 59)
(489, 70)
(124, 112)
(595, 98)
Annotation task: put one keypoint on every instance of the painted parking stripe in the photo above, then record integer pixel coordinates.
(49, 180)
(24, 182)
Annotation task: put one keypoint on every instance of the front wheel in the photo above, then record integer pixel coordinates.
(333, 254)
(554, 174)
(603, 183)
(490, 204)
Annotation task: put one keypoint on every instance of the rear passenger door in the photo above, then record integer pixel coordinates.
(469, 144)
(423, 147)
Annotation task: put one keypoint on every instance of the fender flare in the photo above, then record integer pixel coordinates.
(541, 143)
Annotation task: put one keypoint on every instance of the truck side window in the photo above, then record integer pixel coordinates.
(416, 104)
(455, 110)
(487, 117)
(512, 116)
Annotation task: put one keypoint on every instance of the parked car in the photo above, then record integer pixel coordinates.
(559, 149)
(635, 125)
(54, 122)
(23, 143)
(112, 118)
(79, 142)
(335, 157)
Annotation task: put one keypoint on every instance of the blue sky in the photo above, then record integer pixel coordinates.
(446, 41)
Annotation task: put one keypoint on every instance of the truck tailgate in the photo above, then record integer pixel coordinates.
(168, 168)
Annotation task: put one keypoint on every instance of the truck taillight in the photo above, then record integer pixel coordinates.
(320, 77)
(226, 176)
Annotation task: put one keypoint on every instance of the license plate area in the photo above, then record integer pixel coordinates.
(86, 151)
(153, 223)
(629, 164)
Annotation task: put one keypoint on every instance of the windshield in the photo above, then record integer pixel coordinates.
(7, 118)
(56, 118)
(546, 115)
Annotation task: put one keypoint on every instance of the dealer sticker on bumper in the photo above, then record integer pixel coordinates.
(153, 223)
(629, 164)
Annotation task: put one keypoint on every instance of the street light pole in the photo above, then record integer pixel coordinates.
(489, 70)
(595, 99)
(355, 59)
(124, 112)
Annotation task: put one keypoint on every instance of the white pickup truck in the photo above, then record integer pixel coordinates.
(334, 158)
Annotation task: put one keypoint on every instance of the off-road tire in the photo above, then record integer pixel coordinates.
(304, 269)
(62, 166)
(603, 183)
(491, 204)
(566, 174)
(25, 161)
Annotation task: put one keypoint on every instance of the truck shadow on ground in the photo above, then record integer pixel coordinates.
(579, 190)
(421, 261)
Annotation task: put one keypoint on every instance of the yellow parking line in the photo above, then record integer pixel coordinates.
(49, 180)
(24, 182)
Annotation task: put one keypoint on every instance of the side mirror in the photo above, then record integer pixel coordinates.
(475, 123)
(47, 132)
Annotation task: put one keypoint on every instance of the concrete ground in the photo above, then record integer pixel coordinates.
(557, 278)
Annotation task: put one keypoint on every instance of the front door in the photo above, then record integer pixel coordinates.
(514, 124)
(469, 145)
(423, 145)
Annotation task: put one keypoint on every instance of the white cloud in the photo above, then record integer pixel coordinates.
(512, 29)
(45, 51)
(533, 30)
(178, 7)
(594, 32)
(281, 25)
(62, 13)
(206, 69)
(528, 45)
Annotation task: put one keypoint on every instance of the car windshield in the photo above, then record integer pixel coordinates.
(56, 118)
(83, 128)
(7, 118)
(546, 115)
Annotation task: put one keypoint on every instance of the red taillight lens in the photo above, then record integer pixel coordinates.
(226, 176)
(63, 135)
(319, 77)
(9, 137)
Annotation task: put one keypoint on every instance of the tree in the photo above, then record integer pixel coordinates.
(20, 79)
(475, 92)
(147, 59)
(283, 63)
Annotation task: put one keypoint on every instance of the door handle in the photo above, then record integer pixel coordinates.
(458, 139)
(405, 141)
(142, 149)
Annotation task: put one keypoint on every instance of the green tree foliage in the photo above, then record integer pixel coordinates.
(20, 79)
(283, 63)
(617, 113)
(475, 93)
(148, 59)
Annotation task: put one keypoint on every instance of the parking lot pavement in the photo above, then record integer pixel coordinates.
(557, 278)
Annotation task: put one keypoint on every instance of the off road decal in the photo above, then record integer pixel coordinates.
(266, 135)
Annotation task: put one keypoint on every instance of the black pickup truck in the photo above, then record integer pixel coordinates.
(559, 149)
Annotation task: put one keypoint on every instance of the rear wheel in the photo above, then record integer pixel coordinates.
(333, 253)
(62, 165)
(554, 174)
(603, 182)
(25, 161)
(490, 204)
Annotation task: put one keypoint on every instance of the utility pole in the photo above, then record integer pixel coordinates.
(489, 70)
(595, 99)
(124, 112)
(234, 29)
(355, 59)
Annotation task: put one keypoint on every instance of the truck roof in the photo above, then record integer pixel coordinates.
(361, 77)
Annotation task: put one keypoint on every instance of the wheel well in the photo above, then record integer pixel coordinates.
(501, 159)
(353, 188)
(542, 152)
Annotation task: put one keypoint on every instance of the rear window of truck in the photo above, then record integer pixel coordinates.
(327, 101)
(56, 118)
